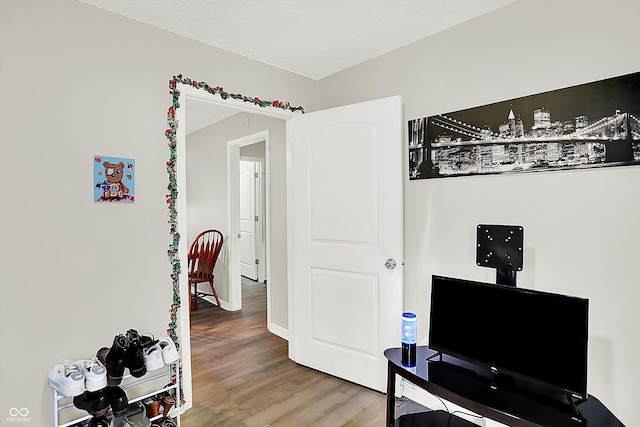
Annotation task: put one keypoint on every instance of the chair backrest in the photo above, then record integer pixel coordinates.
(203, 254)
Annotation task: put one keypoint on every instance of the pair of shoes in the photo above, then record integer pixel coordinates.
(72, 379)
(161, 403)
(125, 352)
(137, 416)
(100, 421)
(120, 421)
(152, 406)
(164, 422)
(158, 353)
(97, 403)
(95, 374)
(67, 378)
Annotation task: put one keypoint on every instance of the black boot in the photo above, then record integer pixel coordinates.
(115, 360)
(118, 401)
(134, 359)
(95, 403)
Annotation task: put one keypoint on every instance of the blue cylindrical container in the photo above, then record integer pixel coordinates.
(409, 339)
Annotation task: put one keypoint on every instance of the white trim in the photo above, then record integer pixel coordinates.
(290, 288)
(248, 107)
(184, 327)
(223, 304)
(184, 332)
(278, 330)
(233, 206)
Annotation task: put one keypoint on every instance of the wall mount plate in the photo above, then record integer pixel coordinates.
(500, 246)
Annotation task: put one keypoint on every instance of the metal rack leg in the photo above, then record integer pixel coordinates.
(54, 393)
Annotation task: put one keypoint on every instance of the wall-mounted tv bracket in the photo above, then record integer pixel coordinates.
(501, 247)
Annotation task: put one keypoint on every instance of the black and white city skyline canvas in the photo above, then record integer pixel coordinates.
(590, 125)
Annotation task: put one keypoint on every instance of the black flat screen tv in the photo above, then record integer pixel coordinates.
(521, 333)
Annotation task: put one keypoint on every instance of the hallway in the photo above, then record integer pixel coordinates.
(242, 376)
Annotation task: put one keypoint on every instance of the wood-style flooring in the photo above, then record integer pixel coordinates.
(242, 376)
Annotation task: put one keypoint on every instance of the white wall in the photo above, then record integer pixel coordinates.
(207, 197)
(254, 150)
(77, 81)
(581, 228)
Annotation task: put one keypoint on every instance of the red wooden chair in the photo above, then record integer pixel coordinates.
(202, 257)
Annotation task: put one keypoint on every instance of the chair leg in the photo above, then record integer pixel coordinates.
(215, 294)
(193, 299)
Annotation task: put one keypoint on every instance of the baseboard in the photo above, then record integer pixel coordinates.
(223, 304)
(272, 327)
(279, 331)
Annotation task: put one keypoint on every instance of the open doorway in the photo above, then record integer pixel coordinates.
(221, 163)
(246, 224)
(249, 210)
(252, 248)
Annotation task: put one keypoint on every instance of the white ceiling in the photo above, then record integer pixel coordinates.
(313, 38)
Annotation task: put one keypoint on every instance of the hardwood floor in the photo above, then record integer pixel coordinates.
(242, 376)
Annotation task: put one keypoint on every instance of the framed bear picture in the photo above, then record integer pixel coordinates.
(114, 179)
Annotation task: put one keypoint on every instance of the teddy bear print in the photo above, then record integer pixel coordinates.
(115, 188)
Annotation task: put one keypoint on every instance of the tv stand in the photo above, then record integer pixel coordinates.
(457, 382)
(573, 404)
(435, 355)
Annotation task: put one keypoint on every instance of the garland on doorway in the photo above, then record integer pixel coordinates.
(172, 196)
(217, 90)
(171, 199)
(173, 224)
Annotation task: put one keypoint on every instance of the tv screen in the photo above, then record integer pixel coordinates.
(513, 331)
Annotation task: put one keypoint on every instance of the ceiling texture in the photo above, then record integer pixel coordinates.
(312, 38)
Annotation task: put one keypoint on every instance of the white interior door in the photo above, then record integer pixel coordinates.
(345, 210)
(247, 246)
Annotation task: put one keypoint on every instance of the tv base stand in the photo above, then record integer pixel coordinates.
(450, 379)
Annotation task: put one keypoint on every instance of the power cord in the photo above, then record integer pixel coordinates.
(403, 382)
(451, 414)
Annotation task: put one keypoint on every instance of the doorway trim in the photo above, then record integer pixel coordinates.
(182, 89)
(233, 214)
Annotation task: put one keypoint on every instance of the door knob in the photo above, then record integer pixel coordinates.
(390, 264)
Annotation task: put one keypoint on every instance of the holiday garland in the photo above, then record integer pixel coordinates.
(172, 196)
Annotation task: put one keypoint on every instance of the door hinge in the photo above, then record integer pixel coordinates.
(255, 174)
(256, 218)
(257, 261)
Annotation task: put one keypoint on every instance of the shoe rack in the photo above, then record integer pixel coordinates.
(170, 372)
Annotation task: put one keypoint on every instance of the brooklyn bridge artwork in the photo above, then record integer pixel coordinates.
(591, 125)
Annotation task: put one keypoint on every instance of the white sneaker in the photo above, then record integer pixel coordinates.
(153, 357)
(67, 379)
(95, 374)
(169, 351)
